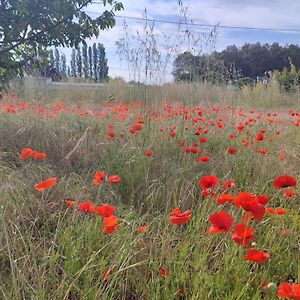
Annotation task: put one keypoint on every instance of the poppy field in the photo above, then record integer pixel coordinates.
(160, 200)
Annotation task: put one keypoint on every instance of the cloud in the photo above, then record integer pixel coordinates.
(246, 13)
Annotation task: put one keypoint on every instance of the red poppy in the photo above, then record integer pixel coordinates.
(289, 194)
(110, 224)
(231, 150)
(284, 181)
(208, 182)
(179, 217)
(39, 155)
(143, 229)
(164, 272)
(289, 290)
(70, 202)
(275, 211)
(262, 150)
(105, 210)
(46, 184)
(86, 207)
(111, 134)
(257, 256)
(26, 153)
(99, 177)
(149, 153)
(251, 203)
(203, 159)
(228, 184)
(221, 222)
(259, 137)
(114, 179)
(225, 198)
(242, 235)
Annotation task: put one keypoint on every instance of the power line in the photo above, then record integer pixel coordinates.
(285, 30)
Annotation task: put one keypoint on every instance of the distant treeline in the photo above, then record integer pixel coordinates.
(86, 62)
(251, 60)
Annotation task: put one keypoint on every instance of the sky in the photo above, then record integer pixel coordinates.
(278, 14)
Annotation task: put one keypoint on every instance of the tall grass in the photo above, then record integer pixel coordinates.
(50, 251)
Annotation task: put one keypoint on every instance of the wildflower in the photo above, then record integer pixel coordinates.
(179, 217)
(114, 179)
(46, 184)
(208, 182)
(149, 153)
(242, 235)
(105, 210)
(251, 203)
(164, 272)
(99, 177)
(86, 207)
(70, 203)
(289, 290)
(143, 229)
(289, 194)
(228, 184)
(284, 181)
(26, 153)
(203, 159)
(225, 198)
(231, 150)
(221, 222)
(110, 224)
(257, 256)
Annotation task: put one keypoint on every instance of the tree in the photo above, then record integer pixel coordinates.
(73, 63)
(85, 61)
(38, 24)
(95, 62)
(90, 58)
(63, 65)
(102, 63)
(57, 60)
(79, 62)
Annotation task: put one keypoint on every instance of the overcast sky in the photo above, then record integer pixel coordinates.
(246, 13)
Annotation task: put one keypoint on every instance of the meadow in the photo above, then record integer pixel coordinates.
(173, 192)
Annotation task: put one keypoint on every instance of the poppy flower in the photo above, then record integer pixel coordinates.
(203, 159)
(257, 256)
(46, 184)
(179, 217)
(39, 155)
(284, 181)
(26, 153)
(111, 134)
(105, 210)
(86, 207)
(225, 198)
(289, 194)
(221, 222)
(208, 182)
(143, 229)
(243, 234)
(164, 272)
(99, 177)
(70, 202)
(231, 150)
(114, 179)
(275, 211)
(149, 153)
(110, 224)
(289, 290)
(251, 203)
(226, 185)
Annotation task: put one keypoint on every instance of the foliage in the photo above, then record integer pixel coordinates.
(251, 60)
(38, 24)
(289, 80)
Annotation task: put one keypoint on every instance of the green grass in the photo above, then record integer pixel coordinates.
(50, 251)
